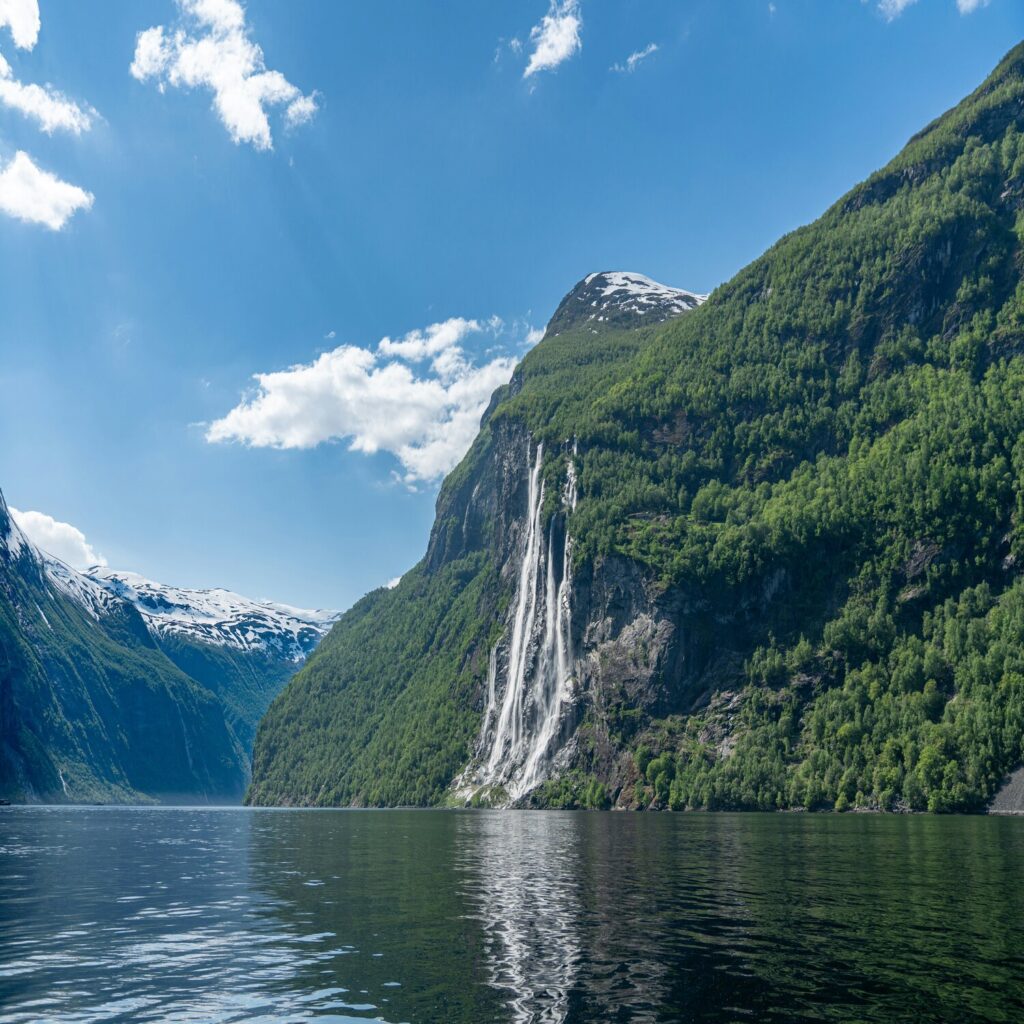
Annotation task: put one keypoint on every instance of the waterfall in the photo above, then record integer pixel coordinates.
(519, 737)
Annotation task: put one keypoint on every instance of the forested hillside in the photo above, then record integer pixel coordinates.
(797, 543)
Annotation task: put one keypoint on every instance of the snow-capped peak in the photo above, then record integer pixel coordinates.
(622, 299)
(12, 540)
(217, 616)
(640, 294)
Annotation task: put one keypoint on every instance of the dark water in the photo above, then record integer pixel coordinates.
(279, 916)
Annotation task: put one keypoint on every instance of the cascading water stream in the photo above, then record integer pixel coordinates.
(555, 677)
(518, 738)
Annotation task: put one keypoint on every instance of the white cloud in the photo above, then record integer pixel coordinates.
(36, 196)
(556, 38)
(27, 192)
(635, 58)
(62, 540)
(300, 111)
(533, 335)
(892, 9)
(213, 50)
(432, 341)
(969, 6)
(393, 582)
(50, 108)
(376, 401)
(22, 18)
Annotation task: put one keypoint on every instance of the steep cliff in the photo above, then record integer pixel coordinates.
(762, 554)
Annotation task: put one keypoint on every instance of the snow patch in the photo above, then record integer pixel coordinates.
(639, 294)
(219, 617)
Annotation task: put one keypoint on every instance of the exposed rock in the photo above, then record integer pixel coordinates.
(1010, 798)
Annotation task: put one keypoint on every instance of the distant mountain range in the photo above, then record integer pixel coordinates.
(117, 688)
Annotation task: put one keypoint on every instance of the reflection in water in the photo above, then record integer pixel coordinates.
(520, 873)
(492, 917)
(148, 915)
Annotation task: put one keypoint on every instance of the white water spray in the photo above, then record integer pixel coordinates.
(517, 748)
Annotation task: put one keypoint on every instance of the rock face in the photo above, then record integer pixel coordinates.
(582, 656)
(1010, 798)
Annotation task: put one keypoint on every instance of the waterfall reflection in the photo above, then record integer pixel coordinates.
(520, 873)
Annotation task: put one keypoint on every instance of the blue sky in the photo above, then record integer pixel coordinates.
(402, 172)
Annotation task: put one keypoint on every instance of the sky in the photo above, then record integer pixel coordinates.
(261, 264)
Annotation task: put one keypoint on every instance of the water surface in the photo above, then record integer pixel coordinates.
(417, 916)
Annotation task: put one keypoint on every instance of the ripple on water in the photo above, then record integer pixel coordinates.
(218, 917)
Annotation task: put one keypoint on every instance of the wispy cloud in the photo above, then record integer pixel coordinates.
(892, 9)
(556, 38)
(62, 540)
(212, 49)
(51, 109)
(37, 196)
(634, 59)
(419, 397)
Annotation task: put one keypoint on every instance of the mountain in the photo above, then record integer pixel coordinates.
(765, 554)
(115, 688)
(90, 709)
(243, 651)
(616, 298)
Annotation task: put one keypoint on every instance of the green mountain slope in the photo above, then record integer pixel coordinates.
(90, 709)
(245, 682)
(796, 549)
(242, 651)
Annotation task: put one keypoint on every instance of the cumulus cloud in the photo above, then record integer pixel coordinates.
(556, 38)
(62, 540)
(212, 49)
(968, 6)
(892, 9)
(22, 18)
(27, 192)
(376, 401)
(51, 109)
(438, 342)
(37, 196)
(635, 58)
